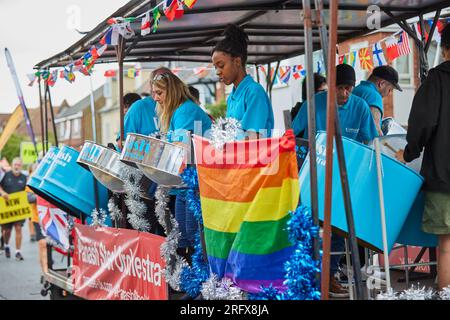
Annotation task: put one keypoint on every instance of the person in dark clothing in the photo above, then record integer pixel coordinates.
(429, 129)
(13, 181)
(129, 99)
(320, 84)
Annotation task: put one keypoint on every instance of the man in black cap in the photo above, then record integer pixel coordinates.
(380, 84)
(354, 113)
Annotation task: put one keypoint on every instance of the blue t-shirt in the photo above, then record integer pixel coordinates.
(250, 104)
(141, 118)
(188, 117)
(369, 93)
(355, 116)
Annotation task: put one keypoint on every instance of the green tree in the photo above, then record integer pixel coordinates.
(217, 110)
(12, 147)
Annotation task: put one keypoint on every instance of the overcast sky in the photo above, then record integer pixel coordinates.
(35, 30)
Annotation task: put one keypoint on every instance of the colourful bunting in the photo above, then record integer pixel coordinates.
(296, 71)
(391, 48)
(146, 24)
(190, 3)
(365, 59)
(403, 44)
(378, 55)
(156, 18)
(170, 7)
(285, 74)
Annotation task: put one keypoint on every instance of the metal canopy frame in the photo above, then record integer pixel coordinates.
(275, 30)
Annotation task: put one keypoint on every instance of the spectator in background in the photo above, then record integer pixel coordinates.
(40, 238)
(13, 181)
(320, 84)
(129, 99)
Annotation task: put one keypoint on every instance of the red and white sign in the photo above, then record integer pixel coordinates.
(118, 264)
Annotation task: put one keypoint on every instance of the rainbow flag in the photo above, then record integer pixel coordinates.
(246, 191)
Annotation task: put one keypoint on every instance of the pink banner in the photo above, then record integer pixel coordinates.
(118, 264)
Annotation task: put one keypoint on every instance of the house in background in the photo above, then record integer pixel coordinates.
(74, 123)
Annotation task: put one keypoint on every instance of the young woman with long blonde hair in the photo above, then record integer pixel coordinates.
(179, 115)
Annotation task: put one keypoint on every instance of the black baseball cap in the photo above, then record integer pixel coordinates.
(345, 74)
(389, 74)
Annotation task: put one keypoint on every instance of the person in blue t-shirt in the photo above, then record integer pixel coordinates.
(354, 113)
(248, 102)
(179, 115)
(381, 83)
(141, 116)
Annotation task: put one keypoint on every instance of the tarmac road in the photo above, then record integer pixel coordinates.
(20, 280)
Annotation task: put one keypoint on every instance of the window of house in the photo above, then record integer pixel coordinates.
(76, 128)
(61, 129)
(66, 135)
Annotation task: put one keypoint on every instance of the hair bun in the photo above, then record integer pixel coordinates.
(235, 33)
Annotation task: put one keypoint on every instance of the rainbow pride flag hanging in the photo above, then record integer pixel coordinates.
(247, 189)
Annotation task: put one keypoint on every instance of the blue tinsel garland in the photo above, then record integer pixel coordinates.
(192, 277)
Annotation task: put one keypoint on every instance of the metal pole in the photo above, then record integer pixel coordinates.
(53, 116)
(45, 137)
(41, 111)
(120, 56)
(94, 127)
(343, 170)
(311, 122)
(383, 213)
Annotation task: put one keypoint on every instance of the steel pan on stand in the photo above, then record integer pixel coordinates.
(161, 161)
(105, 165)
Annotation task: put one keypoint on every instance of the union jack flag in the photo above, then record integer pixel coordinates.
(53, 222)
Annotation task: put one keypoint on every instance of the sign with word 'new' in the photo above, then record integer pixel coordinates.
(118, 264)
(16, 208)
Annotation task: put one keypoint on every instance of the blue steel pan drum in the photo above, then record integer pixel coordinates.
(41, 170)
(401, 187)
(411, 233)
(35, 180)
(72, 185)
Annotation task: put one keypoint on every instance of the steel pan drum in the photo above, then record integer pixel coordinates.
(390, 126)
(35, 181)
(72, 185)
(105, 165)
(161, 161)
(401, 186)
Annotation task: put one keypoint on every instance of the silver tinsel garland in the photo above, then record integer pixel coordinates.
(133, 201)
(98, 218)
(445, 293)
(114, 211)
(224, 130)
(174, 262)
(415, 293)
(224, 289)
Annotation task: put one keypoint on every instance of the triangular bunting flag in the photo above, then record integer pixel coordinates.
(285, 74)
